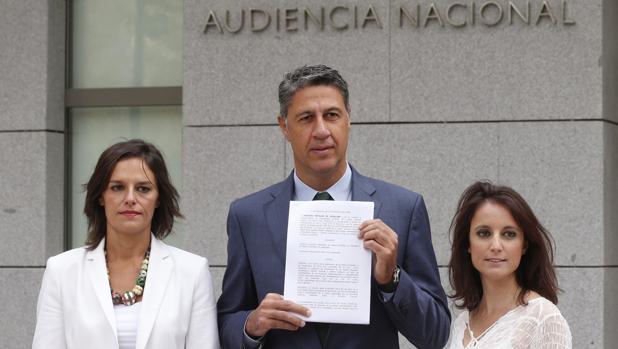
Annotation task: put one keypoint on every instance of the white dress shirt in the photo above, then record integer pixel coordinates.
(340, 191)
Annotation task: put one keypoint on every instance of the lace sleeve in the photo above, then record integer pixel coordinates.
(552, 333)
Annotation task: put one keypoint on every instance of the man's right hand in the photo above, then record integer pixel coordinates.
(275, 313)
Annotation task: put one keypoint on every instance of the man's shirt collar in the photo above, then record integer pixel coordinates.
(340, 191)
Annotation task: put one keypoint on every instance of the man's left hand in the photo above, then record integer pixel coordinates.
(380, 239)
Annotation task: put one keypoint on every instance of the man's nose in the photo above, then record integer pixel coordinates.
(321, 128)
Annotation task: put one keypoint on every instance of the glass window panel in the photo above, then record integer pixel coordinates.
(94, 129)
(126, 43)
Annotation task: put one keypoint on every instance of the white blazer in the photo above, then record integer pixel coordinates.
(75, 307)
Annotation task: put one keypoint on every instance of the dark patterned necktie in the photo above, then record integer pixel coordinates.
(324, 195)
(323, 329)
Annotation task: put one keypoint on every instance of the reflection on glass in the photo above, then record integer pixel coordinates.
(126, 43)
(94, 129)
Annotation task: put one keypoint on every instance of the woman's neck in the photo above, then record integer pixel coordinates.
(499, 296)
(126, 247)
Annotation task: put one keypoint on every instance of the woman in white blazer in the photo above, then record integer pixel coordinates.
(126, 288)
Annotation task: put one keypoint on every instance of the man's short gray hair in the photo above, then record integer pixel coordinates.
(310, 75)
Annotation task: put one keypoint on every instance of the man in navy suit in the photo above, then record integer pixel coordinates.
(406, 295)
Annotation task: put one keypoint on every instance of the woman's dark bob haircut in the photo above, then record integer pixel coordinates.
(535, 271)
(163, 217)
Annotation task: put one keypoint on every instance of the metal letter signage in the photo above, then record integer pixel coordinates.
(406, 15)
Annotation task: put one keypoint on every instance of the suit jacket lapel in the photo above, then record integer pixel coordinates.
(277, 211)
(159, 271)
(363, 190)
(97, 273)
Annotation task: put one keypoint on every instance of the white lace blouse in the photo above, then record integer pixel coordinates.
(538, 325)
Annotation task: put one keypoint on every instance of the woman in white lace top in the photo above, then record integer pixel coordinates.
(501, 271)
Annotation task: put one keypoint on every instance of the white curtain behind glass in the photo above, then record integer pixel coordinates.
(126, 43)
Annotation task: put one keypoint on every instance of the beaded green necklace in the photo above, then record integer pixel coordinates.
(130, 297)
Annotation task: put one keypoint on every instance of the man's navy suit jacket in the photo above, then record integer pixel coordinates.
(257, 229)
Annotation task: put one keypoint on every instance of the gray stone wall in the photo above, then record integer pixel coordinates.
(433, 109)
(32, 55)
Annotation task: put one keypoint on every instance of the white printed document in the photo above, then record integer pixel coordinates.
(327, 269)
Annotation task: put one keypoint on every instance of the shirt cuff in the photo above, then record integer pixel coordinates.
(248, 341)
(387, 296)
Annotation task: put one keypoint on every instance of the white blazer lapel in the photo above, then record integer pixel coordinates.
(97, 273)
(159, 271)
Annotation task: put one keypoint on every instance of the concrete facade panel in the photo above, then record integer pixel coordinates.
(242, 71)
(554, 165)
(581, 304)
(610, 194)
(31, 211)
(20, 289)
(217, 278)
(32, 64)
(610, 60)
(404, 343)
(504, 72)
(221, 164)
(557, 168)
(56, 61)
(610, 319)
(437, 161)
(54, 190)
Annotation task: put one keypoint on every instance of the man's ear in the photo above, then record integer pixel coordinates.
(283, 126)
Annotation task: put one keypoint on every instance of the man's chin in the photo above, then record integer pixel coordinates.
(325, 170)
(325, 167)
